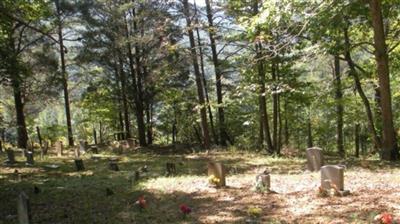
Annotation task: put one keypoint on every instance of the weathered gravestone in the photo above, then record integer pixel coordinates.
(59, 148)
(79, 165)
(77, 152)
(315, 158)
(131, 143)
(94, 149)
(171, 169)
(263, 182)
(29, 158)
(113, 165)
(83, 146)
(218, 171)
(24, 210)
(10, 156)
(332, 177)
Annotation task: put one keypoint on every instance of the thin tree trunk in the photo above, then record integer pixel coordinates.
(125, 107)
(39, 136)
(94, 135)
(339, 107)
(357, 140)
(137, 98)
(389, 149)
(357, 83)
(223, 135)
(274, 66)
(101, 132)
(203, 74)
(287, 136)
(309, 133)
(19, 109)
(200, 93)
(149, 117)
(64, 75)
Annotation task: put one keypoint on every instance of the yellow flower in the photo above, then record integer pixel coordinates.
(254, 211)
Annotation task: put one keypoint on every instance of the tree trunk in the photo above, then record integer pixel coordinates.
(223, 135)
(64, 75)
(287, 136)
(101, 132)
(200, 93)
(309, 133)
(19, 109)
(149, 119)
(339, 107)
(357, 83)
(94, 135)
(203, 74)
(389, 150)
(125, 107)
(274, 66)
(39, 136)
(137, 99)
(357, 140)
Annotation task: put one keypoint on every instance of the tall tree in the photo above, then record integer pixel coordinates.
(389, 149)
(200, 88)
(64, 75)
(223, 136)
(339, 106)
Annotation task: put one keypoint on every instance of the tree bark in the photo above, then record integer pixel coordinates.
(149, 119)
(274, 65)
(389, 150)
(200, 93)
(371, 126)
(64, 75)
(223, 135)
(357, 140)
(39, 136)
(125, 107)
(309, 133)
(136, 98)
(339, 107)
(203, 74)
(19, 109)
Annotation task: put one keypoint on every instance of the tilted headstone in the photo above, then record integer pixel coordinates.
(83, 146)
(59, 148)
(29, 158)
(218, 171)
(171, 169)
(79, 165)
(315, 159)
(332, 176)
(263, 181)
(131, 143)
(24, 210)
(77, 152)
(10, 156)
(94, 149)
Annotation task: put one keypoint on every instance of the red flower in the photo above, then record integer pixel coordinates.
(386, 218)
(141, 202)
(185, 209)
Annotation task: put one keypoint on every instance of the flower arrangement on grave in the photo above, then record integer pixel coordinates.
(214, 180)
(333, 191)
(186, 210)
(141, 202)
(254, 212)
(385, 218)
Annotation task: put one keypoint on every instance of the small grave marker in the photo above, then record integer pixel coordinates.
(263, 181)
(332, 177)
(59, 148)
(77, 152)
(29, 158)
(113, 165)
(10, 157)
(315, 158)
(217, 170)
(24, 210)
(79, 165)
(83, 146)
(171, 169)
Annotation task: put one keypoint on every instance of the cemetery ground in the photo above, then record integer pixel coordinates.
(100, 195)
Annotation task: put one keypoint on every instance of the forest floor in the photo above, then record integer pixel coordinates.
(67, 196)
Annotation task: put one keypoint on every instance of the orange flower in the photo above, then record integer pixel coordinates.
(141, 202)
(386, 218)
